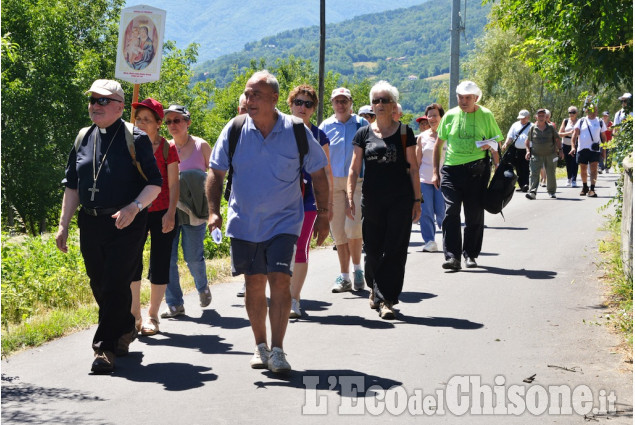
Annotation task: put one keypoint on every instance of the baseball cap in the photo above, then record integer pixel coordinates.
(625, 96)
(342, 91)
(421, 118)
(107, 88)
(605, 113)
(179, 109)
(151, 104)
(541, 110)
(523, 114)
(366, 109)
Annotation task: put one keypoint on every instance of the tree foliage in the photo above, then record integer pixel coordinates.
(57, 49)
(567, 41)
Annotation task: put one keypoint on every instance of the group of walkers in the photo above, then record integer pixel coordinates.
(363, 177)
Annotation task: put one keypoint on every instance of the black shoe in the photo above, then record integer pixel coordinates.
(452, 264)
(124, 342)
(104, 362)
(525, 188)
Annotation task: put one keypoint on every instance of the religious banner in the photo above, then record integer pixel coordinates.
(140, 46)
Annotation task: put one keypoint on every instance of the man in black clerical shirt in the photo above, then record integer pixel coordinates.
(113, 194)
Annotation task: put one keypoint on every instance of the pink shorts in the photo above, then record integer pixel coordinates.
(304, 241)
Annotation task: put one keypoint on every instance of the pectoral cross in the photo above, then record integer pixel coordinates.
(93, 190)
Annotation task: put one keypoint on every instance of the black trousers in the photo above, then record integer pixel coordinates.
(572, 163)
(110, 256)
(521, 165)
(386, 231)
(464, 185)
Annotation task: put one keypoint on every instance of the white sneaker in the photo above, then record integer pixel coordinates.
(574, 183)
(341, 285)
(430, 246)
(241, 292)
(569, 183)
(261, 357)
(277, 361)
(295, 309)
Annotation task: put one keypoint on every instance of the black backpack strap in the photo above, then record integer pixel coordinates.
(234, 135)
(299, 131)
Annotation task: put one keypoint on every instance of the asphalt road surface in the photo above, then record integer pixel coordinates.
(460, 351)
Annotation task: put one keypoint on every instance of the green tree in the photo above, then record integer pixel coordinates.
(566, 41)
(60, 48)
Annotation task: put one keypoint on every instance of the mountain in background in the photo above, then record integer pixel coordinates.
(224, 26)
(408, 47)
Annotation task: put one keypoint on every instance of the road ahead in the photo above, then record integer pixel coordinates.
(532, 309)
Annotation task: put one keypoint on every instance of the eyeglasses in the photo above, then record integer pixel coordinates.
(383, 100)
(102, 101)
(144, 120)
(341, 101)
(174, 121)
(307, 103)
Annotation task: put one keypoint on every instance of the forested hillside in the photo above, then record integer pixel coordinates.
(403, 46)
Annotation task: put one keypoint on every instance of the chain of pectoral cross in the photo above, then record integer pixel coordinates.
(94, 189)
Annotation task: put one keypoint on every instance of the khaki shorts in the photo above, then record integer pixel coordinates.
(342, 227)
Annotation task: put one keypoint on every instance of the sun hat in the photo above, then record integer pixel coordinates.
(469, 87)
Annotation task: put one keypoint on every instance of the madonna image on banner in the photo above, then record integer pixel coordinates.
(141, 42)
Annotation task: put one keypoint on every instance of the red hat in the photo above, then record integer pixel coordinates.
(153, 105)
(421, 118)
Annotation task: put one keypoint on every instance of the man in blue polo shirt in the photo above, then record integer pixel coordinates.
(340, 129)
(266, 210)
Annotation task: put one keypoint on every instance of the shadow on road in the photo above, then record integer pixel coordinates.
(439, 322)
(173, 376)
(206, 344)
(211, 317)
(415, 297)
(346, 382)
(529, 274)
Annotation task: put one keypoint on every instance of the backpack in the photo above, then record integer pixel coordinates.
(299, 131)
(128, 129)
(501, 188)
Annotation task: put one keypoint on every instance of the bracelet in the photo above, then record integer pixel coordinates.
(417, 200)
(321, 210)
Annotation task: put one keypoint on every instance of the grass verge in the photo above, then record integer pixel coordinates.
(620, 286)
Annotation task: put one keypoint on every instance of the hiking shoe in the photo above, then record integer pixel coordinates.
(374, 304)
(430, 246)
(295, 309)
(358, 280)
(452, 264)
(592, 194)
(385, 311)
(531, 195)
(277, 362)
(104, 362)
(574, 183)
(123, 343)
(173, 311)
(241, 292)
(341, 285)
(552, 195)
(470, 262)
(205, 297)
(584, 191)
(261, 357)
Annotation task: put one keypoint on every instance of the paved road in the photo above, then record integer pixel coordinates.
(533, 303)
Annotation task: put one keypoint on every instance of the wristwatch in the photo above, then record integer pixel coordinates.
(138, 204)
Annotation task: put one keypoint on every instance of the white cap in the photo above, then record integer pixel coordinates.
(523, 114)
(342, 91)
(469, 87)
(107, 88)
(366, 109)
(625, 96)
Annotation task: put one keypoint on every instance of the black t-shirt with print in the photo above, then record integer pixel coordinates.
(385, 165)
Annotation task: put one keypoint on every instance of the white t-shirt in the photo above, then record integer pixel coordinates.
(514, 130)
(426, 143)
(596, 126)
(619, 116)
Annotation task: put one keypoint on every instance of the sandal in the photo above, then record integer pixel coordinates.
(592, 194)
(150, 327)
(137, 324)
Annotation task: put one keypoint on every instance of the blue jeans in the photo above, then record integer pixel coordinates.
(433, 205)
(192, 242)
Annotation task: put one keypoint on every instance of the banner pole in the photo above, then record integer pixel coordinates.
(135, 99)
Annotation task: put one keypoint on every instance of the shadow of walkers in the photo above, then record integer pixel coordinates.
(529, 274)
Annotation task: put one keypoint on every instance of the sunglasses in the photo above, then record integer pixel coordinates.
(572, 112)
(102, 101)
(174, 121)
(383, 100)
(307, 103)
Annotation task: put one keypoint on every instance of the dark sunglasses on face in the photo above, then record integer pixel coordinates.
(383, 100)
(102, 101)
(572, 112)
(307, 103)
(174, 121)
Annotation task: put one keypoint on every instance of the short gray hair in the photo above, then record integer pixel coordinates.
(384, 86)
(268, 78)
